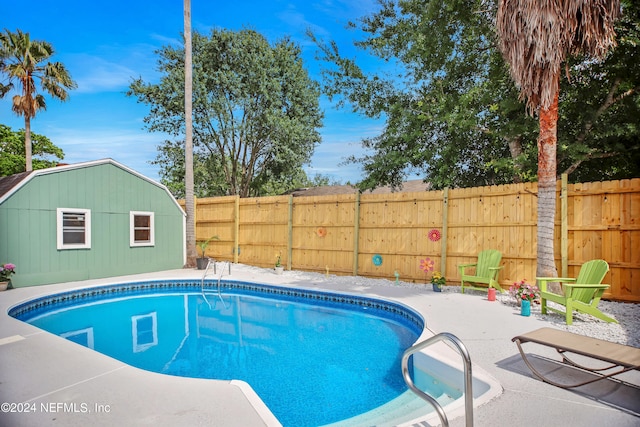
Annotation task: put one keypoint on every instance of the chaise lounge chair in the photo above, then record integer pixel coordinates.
(486, 271)
(580, 294)
(622, 358)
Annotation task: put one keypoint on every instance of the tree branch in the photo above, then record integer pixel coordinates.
(610, 100)
(592, 155)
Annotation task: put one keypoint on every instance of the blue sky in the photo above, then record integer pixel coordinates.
(105, 44)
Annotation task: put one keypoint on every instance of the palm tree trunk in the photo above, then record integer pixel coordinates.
(188, 149)
(27, 143)
(547, 142)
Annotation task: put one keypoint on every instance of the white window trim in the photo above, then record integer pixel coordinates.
(87, 230)
(88, 332)
(132, 234)
(140, 347)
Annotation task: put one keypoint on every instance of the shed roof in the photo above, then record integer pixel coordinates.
(12, 183)
(416, 185)
(7, 183)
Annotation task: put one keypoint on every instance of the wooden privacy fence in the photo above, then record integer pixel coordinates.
(349, 234)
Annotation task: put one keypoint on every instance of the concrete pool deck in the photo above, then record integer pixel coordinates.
(53, 381)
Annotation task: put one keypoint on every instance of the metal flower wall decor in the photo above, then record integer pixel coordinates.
(434, 235)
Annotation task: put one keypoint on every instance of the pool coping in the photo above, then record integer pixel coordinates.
(94, 294)
(59, 300)
(180, 403)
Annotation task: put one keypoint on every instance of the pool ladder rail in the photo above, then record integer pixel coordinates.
(468, 378)
(204, 275)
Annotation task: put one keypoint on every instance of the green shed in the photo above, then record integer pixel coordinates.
(88, 220)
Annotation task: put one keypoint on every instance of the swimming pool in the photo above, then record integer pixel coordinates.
(313, 357)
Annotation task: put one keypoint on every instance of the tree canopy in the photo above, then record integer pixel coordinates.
(255, 112)
(598, 128)
(24, 61)
(536, 39)
(209, 175)
(12, 156)
(453, 114)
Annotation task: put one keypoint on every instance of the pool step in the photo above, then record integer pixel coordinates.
(402, 409)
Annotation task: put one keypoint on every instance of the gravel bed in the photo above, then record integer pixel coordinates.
(627, 331)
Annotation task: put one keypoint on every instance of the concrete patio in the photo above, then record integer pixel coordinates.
(52, 381)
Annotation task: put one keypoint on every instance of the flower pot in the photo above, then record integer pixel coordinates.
(436, 288)
(202, 263)
(279, 269)
(3, 286)
(525, 308)
(491, 294)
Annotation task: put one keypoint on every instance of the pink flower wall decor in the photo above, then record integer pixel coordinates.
(427, 265)
(434, 235)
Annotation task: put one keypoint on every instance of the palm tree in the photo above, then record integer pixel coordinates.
(23, 60)
(188, 149)
(535, 37)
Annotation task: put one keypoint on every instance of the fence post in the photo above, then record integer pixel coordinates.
(356, 234)
(195, 216)
(195, 227)
(236, 231)
(290, 233)
(564, 227)
(445, 219)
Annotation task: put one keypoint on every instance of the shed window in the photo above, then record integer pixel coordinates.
(82, 336)
(144, 329)
(142, 231)
(73, 228)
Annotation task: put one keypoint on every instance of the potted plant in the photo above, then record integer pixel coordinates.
(437, 281)
(6, 270)
(525, 294)
(524, 291)
(278, 267)
(204, 260)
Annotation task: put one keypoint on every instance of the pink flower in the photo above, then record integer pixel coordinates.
(523, 290)
(427, 265)
(6, 270)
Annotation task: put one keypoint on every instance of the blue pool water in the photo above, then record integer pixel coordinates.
(313, 357)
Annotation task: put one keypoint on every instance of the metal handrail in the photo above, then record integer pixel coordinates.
(204, 275)
(468, 378)
(206, 270)
(219, 283)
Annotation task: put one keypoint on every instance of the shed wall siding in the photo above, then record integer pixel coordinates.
(28, 226)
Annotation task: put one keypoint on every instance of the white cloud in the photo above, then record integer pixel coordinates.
(99, 75)
(297, 20)
(110, 68)
(164, 40)
(132, 148)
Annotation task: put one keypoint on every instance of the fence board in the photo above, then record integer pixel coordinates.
(342, 233)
